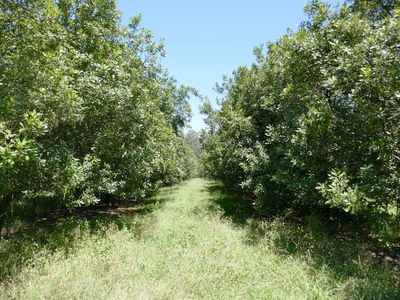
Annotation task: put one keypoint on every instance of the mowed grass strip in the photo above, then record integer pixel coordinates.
(197, 246)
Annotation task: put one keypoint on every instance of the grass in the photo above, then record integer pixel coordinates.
(195, 242)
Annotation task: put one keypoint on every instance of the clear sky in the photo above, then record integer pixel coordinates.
(206, 39)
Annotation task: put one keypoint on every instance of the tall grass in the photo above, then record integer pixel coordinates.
(200, 243)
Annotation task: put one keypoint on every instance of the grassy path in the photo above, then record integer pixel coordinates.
(188, 249)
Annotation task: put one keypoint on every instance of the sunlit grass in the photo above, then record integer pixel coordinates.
(200, 244)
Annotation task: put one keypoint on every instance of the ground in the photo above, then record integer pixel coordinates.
(196, 242)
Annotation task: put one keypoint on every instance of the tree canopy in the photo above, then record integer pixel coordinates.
(87, 111)
(315, 120)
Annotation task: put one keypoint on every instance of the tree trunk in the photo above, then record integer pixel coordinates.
(4, 204)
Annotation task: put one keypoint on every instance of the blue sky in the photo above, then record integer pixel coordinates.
(207, 39)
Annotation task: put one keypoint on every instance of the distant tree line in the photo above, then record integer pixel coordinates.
(87, 114)
(315, 121)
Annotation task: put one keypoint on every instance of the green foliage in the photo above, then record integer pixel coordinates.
(320, 100)
(194, 143)
(338, 193)
(19, 157)
(87, 112)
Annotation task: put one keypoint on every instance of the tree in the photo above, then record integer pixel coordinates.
(87, 112)
(315, 121)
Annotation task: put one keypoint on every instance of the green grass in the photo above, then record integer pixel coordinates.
(195, 242)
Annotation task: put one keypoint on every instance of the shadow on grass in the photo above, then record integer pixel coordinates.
(25, 237)
(339, 245)
(231, 205)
